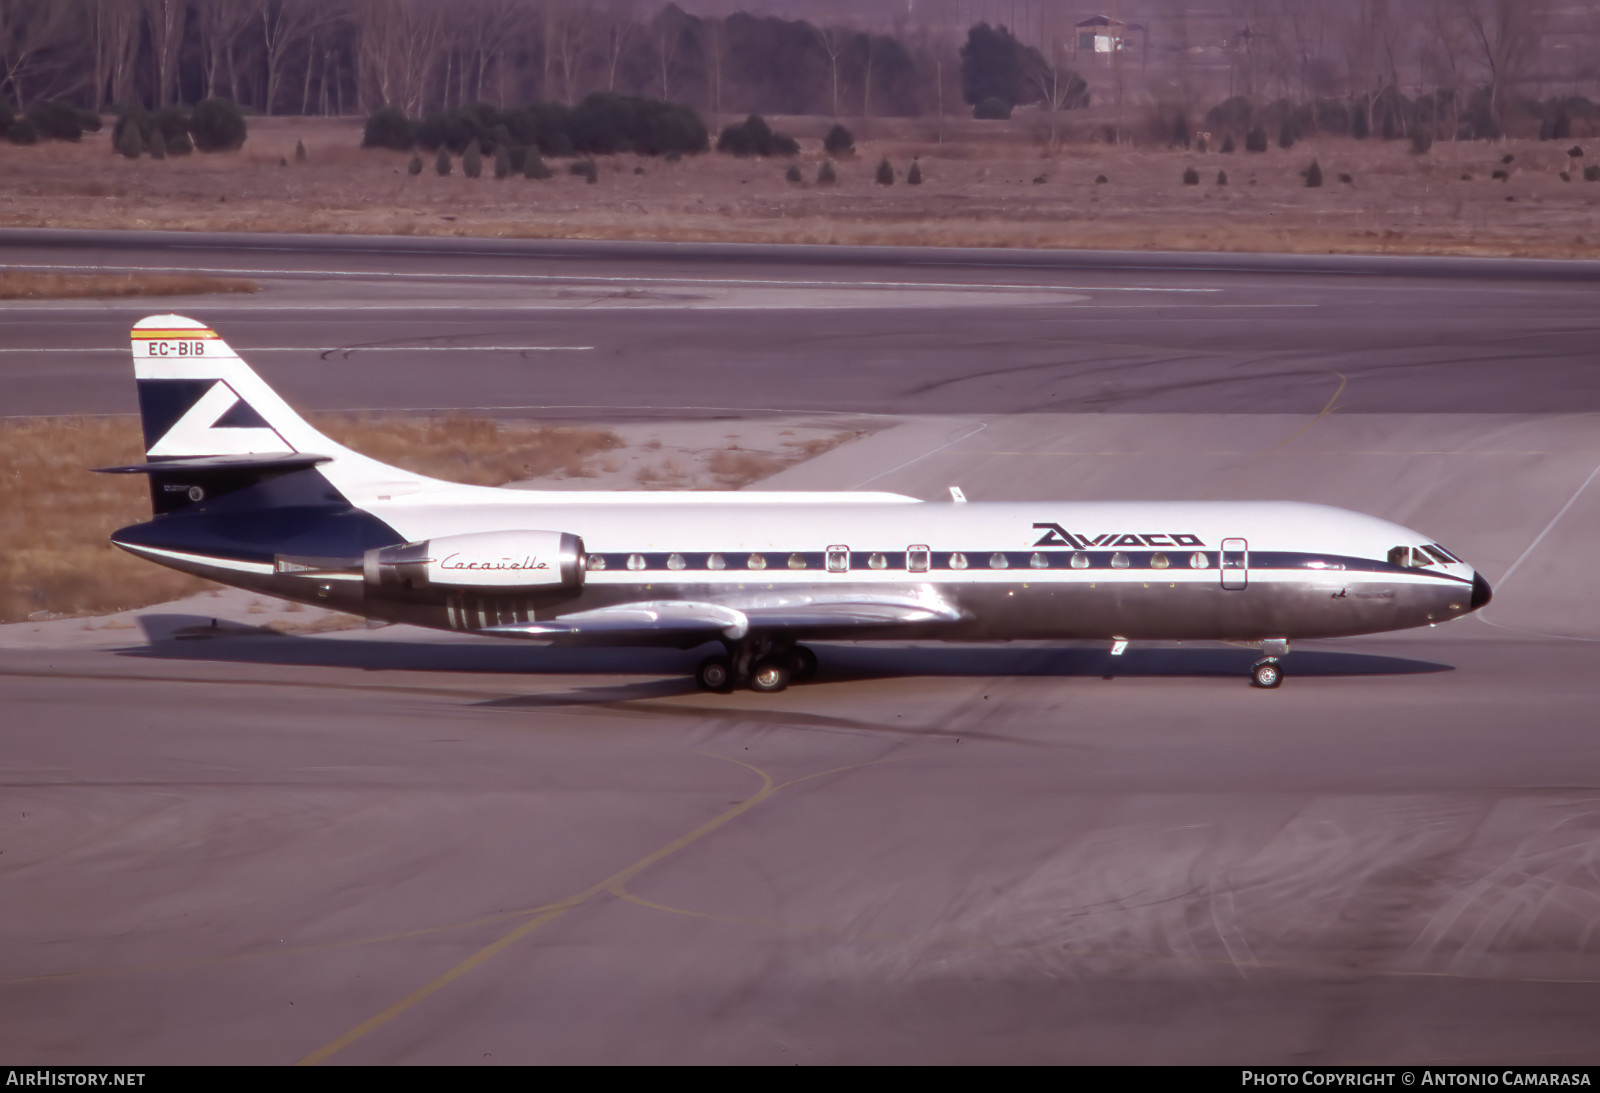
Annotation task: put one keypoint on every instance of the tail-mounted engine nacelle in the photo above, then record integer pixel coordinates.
(486, 560)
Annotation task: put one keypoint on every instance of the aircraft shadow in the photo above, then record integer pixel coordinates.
(191, 638)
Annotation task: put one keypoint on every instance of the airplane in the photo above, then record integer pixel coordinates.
(245, 492)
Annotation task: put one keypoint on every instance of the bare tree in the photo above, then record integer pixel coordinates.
(618, 23)
(1441, 59)
(1506, 34)
(1059, 87)
(567, 29)
(113, 27)
(165, 18)
(219, 24)
(397, 48)
(868, 46)
(715, 33)
(834, 41)
(1181, 73)
(285, 24)
(1361, 39)
(486, 28)
(31, 35)
(669, 31)
(1245, 46)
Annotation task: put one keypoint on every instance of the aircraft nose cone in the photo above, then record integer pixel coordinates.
(1481, 593)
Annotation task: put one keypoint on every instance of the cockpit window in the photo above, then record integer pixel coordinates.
(1410, 557)
(1443, 557)
(1437, 549)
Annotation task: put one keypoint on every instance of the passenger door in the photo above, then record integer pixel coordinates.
(1235, 564)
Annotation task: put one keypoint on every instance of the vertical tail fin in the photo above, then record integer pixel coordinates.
(197, 398)
(199, 401)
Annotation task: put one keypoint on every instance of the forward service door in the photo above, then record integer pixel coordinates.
(1235, 564)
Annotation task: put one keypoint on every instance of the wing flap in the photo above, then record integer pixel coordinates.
(651, 622)
(863, 613)
(687, 622)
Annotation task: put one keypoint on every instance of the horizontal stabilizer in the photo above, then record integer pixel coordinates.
(287, 461)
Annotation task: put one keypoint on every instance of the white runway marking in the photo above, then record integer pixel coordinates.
(574, 307)
(594, 278)
(920, 458)
(1483, 616)
(346, 349)
(1554, 520)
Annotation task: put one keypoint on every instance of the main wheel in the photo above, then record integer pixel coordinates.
(770, 677)
(714, 674)
(802, 664)
(1266, 673)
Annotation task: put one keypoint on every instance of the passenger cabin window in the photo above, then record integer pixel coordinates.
(1039, 561)
(838, 559)
(917, 558)
(1080, 560)
(958, 560)
(636, 561)
(797, 561)
(1119, 560)
(1158, 560)
(1198, 560)
(716, 561)
(597, 561)
(877, 561)
(675, 561)
(997, 561)
(756, 562)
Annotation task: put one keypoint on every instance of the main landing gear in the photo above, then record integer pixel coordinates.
(765, 667)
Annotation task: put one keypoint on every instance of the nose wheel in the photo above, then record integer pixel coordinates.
(1266, 673)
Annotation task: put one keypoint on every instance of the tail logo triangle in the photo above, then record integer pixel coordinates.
(219, 423)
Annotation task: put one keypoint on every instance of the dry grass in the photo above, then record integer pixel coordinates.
(473, 450)
(71, 286)
(979, 192)
(733, 467)
(54, 555)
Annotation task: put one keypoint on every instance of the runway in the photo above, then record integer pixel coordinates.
(390, 846)
(620, 330)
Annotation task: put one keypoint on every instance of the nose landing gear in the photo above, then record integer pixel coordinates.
(1267, 672)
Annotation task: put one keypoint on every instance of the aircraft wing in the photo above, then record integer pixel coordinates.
(663, 622)
(687, 623)
(836, 614)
